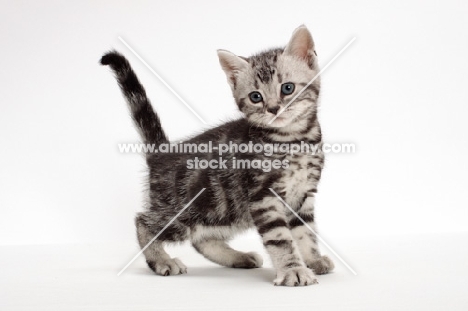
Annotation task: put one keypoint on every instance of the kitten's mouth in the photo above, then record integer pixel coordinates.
(280, 120)
(281, 114)
(285, 115)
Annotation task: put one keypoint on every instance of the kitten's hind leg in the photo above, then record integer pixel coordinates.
(214, 248)
(156, 257)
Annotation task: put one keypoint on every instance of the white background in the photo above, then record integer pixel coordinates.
(399, 93)
(396, 210)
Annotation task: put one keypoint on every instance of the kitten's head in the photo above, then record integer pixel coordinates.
(264, 84)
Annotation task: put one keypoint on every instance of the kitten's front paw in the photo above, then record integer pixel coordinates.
(323, 265)
(248, 261)
(300, 276)
(167, 267)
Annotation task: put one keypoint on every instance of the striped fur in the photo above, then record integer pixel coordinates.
(238, 199)
(146, 121)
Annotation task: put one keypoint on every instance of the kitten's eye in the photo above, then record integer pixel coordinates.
(255, 97)
(287, 88)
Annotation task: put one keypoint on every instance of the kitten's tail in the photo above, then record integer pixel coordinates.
(145, 118)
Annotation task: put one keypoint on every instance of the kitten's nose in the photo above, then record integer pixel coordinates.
(273, 110)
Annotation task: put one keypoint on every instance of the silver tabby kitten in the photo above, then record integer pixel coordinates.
(238, 199)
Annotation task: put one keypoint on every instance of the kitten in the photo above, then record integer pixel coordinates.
(238, 199)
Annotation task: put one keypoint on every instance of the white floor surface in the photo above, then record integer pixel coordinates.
(398, 273)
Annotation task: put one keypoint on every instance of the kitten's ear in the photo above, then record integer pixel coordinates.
(232, 65)
(301, 44)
